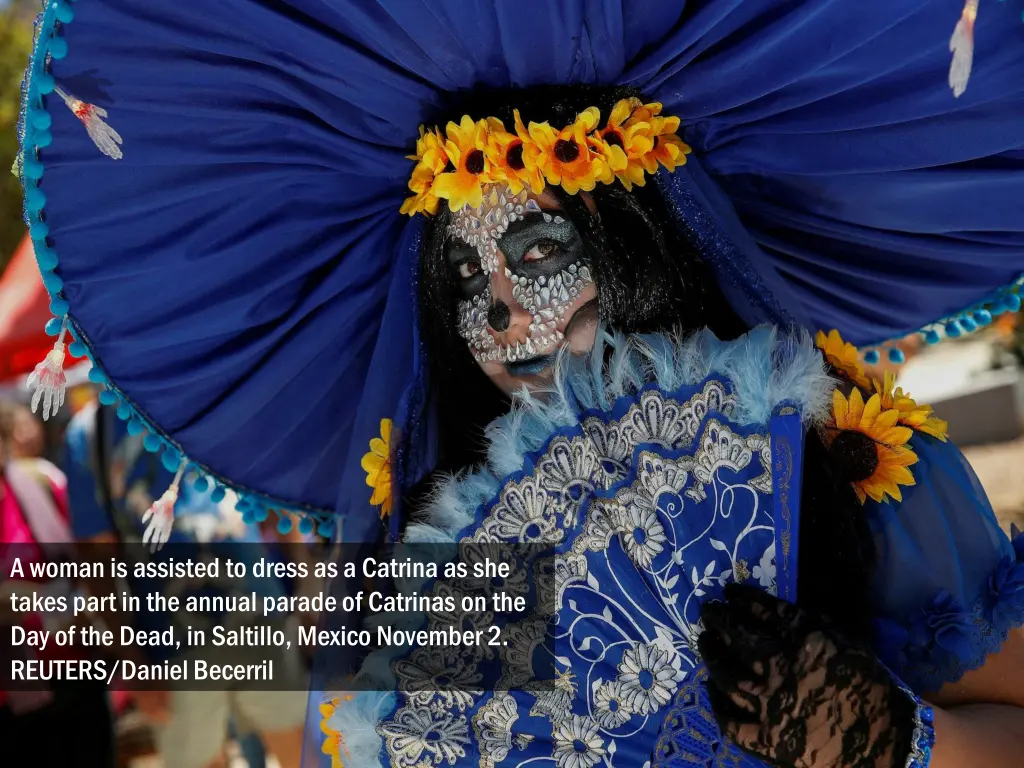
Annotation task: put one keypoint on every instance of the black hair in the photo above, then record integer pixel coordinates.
(649, 277)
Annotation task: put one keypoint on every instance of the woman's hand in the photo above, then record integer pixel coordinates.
(791, 691)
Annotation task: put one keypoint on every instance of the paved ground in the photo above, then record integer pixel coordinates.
(1001, 470)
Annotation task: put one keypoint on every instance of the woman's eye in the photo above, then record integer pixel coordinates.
(542, 250)
(468, 270)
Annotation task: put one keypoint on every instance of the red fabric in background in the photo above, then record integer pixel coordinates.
(24, 311)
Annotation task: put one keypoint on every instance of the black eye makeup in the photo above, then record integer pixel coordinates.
(541, 244)
(464, 263)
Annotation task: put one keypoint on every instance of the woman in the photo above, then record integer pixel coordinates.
(847, 220)
(800, 685)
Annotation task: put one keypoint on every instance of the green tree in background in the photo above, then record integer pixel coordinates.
(15, 47)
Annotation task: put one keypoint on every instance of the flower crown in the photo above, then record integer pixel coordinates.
(455, 165)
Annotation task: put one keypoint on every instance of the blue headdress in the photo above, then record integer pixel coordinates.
(223, 239)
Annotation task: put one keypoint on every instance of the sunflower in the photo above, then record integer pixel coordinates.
(431, 159)
(666, 147)
(377, 465)
(844, 357)
(919, 417)
(466, 149)
(565, 156)
(514, 156)
(334, 743)
(872, 447)
(624, 146)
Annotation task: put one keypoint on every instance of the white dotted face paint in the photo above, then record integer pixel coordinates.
(483, 227)
(545, 270)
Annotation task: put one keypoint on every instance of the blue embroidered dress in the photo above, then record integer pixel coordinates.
(675, 474)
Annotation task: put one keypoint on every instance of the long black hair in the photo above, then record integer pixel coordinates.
(649, 277)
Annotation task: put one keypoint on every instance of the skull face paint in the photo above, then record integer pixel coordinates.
(523, 278)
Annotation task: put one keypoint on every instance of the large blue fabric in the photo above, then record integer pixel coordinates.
(243, 275)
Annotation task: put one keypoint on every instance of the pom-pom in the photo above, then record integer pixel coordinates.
(47, 259)
(896, 355)
(871, 357)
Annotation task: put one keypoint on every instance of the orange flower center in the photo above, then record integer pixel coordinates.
(475, 162)
(514, 157)
(566, 151)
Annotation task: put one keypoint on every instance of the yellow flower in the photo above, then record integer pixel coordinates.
(625, 145)
(466, 149)
(334, 743)
(565, 156)
(919, 417)
(871, 445)
(377, 465)
(431, 160)
(666, 147)
(514, 156)
(844, 357)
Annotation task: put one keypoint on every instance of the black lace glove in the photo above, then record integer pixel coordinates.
(787, 689)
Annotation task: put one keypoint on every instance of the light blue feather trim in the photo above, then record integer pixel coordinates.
(766, 368)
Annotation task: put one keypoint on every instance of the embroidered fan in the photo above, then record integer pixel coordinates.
(655, 487)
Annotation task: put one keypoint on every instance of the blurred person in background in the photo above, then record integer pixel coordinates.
(112, 481)
(33, 527)
(28, 437)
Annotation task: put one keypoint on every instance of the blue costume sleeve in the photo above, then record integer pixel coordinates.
(88, 517)
(950, 583)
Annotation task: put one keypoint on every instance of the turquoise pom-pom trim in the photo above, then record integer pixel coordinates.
(971, 319)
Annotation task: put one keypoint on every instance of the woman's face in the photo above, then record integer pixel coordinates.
(525, 289)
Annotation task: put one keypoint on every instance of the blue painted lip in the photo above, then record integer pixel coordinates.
(530, 367)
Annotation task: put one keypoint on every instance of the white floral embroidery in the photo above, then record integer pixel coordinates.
(417, 730)
(567, 471)
(644, 537)
(649, 676)
(492, 725)
(610, 707)
(764, 571)
(430, 673)
(525, 515)
(577, 743)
